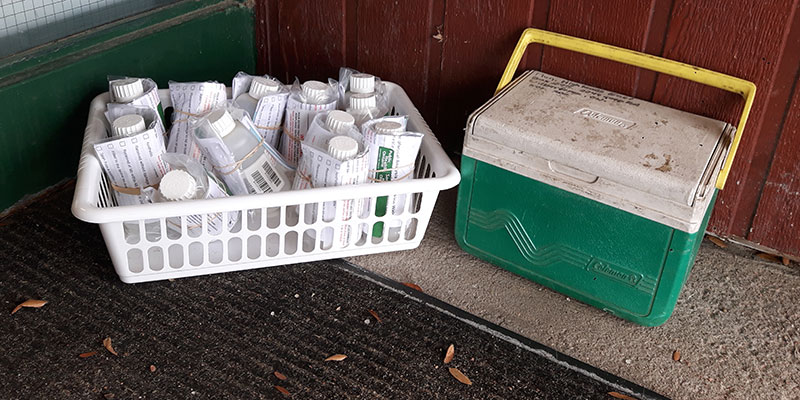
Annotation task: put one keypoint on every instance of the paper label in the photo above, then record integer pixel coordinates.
(392, 158)
(298, 118)
(268, 118)
(319, 169)
(192, 99)
(133, 162)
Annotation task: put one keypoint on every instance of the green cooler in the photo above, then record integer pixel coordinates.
(597, 195)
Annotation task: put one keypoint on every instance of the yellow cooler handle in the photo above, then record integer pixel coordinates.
(742, 87)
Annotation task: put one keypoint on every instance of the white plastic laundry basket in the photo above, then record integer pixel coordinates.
(272, 228)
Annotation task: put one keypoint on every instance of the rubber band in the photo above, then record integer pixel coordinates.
(373, 171)
(269, 128)
(306, 178)
(237, 164)
(393, 180)
(131, 191)
(185, 119)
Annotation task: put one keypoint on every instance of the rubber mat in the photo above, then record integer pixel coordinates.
(262, 333)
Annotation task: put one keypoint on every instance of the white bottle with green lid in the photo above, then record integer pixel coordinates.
(255, 164)
(128, 125)
(259, 87)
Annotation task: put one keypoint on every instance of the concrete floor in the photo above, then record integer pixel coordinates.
(737, 322)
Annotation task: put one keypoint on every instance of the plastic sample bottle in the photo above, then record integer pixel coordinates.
(339, 122)
(177, 185)
(363, 101)
(126, 90)
(246, 148)
(362, 83)
(259, 87)
(363, 106)
(359, 84)
(388, 127)
(342, 148)
(128, 125)
(316, 92)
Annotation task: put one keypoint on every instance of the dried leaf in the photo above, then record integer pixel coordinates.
(461, 377)
(280, 375)
(87, 354)
(621, 396)
(676, 355)
(282, 390)
(152, 368)
(413, 286)
(29, 303)
(717, 241)
(375, 315)
(107, 345)
(336, 357)
(451, 351)
(785, 260)
(768, 257)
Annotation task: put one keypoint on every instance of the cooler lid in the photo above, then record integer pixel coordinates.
(600, 142)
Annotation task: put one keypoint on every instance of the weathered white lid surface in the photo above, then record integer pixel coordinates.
(642, 157)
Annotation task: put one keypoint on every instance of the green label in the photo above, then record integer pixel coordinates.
(385, 162)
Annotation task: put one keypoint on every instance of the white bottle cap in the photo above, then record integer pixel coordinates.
(127, 125)
(362, 83)
(388, 127)
(363, 101)
(221, 122)
(339, 121)
(125, 90)
(177, 185)
(261, 87)
(315, 92)
(342, 147)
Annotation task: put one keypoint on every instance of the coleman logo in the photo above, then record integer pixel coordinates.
(603, 117)
(612, 272)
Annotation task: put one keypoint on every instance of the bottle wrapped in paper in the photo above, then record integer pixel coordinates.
(141, 92)
(269, 109)
(392, 155)
(260, 170)
(204, 186)
(304, 102)
(149, 115)
(319, 168)
(133, 163)
(191, 100)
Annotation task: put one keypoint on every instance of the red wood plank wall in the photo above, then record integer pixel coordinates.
(449, 54)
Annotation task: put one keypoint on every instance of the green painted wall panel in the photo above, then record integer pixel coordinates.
(42, 117)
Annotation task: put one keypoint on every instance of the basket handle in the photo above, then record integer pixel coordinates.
(744, 88)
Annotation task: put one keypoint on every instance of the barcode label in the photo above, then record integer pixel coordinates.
(261, 177)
